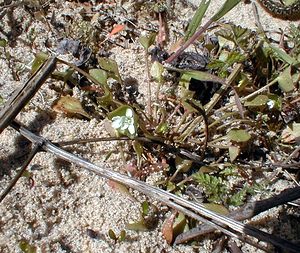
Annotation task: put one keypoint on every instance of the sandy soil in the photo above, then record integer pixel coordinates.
(66, 203)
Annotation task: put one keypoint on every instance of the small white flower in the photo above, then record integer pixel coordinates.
(271, 104)
(117, 122)
(129, 113)
(124, 123)
(144, 33)
(131, 129)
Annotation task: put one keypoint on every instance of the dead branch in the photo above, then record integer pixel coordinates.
(196, 211)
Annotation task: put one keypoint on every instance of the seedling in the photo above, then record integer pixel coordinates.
(113, 236)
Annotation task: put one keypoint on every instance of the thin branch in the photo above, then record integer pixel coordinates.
(152, 141)
(246, 212)
(189, 41)
(149, 99)
(22, 95)
(196, 211)
(32, 153)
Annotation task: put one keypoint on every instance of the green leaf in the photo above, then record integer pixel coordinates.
(227, 34)
(285, 80)
(65, 76)
(236, 34)
(170, 186)
(120, 188)
(215, 64)
(227, 6)
(279, 53)
(39, 59)
(259, 100)
(167, 228)
(235, 57)
(275, 102)
(26, 247)
(230, 171)
(243, 81)
(216, 208)
(3, 43)
(145, 208)
(137, 226)
(213, 186)
(70, 105)
(112, 235)
(156, 71)
(162, 128)
(27, 174)
(100, 75)
(224, 55)
(208, 169)
(198, 75)
(122, 236)
(111, 66)
(180, 224)
(233, 152)
(182, 165)
(138, 148)
(240, 33)
(238, 135)
(291, 133)
(196, 20)
(106, 99)
(147, 41)
(226, 61)
(296, 77)
(238, 198)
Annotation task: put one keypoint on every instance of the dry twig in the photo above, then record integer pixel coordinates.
(196, 211)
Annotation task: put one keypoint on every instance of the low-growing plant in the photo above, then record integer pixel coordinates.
(224, 105)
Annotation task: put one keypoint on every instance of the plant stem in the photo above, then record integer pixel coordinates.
(149, 103)
(189, 41)
(32, 153)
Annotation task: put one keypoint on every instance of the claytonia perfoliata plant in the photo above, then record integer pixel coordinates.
(124, 121)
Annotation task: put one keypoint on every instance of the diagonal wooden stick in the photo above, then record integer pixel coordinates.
(196, 211)
(32, 153)
(246, 212)
(16, 103)
(22, 95)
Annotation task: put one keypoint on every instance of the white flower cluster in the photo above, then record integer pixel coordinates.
(125, 123)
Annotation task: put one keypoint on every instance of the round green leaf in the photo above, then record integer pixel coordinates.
(100, 75)
(238, 135)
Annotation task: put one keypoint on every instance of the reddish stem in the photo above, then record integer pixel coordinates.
(189, 41)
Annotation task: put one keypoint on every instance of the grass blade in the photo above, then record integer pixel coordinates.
(227, 6)
(196, 21)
